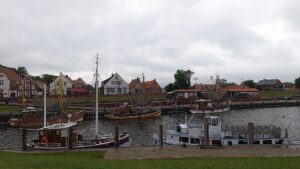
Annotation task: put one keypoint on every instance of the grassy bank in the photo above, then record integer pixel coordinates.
(9, 108)
(279, 93)
(90, 160)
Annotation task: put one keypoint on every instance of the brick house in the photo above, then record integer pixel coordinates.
(9, 82)
(79, 87)
(269, 85)
(149, 87)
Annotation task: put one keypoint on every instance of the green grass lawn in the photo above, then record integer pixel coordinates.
(279, 93)
(94, 160)
(9, 108)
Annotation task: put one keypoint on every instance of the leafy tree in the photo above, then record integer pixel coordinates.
(48, 78)
(169, 87)
(297, 82)
(22, 71)
(249, 83)
(182, 79)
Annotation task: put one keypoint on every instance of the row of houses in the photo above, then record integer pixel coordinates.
(12, 85)
(115, 85)
(233, 91)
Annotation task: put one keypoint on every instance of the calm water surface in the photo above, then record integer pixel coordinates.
(141, 131)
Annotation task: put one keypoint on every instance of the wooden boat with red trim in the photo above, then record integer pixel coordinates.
(63, 136)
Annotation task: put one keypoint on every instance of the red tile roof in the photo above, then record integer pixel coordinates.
(10, 73)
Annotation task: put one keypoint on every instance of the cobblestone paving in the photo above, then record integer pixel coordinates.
(181, 152)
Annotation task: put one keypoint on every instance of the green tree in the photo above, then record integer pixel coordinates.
(169, 87)
(249, 83)
(21, 71)
(48, 78)
(182, 79)
(297, 82)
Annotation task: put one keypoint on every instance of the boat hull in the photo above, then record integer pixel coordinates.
(79, 145)
(137, 116)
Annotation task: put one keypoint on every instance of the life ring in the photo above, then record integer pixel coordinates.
(44, 139)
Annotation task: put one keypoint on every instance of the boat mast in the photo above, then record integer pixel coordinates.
(45, 106)
(97, 111)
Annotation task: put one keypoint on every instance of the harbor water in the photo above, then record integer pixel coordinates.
(142, 130)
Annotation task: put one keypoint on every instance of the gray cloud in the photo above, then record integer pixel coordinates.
(236, 39)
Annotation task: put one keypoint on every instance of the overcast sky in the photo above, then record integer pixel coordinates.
(237, 39)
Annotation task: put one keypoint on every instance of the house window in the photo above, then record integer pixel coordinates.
(65, 83)
(1, 82)
(1, 75)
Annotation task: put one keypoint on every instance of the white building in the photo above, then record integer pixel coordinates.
(62, 81)
(9, 82)
(115, 85)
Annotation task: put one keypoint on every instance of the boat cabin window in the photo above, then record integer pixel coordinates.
(267, 141)
(216, 142)
(213, 122)
(178, 129)
(256, 142)
(279, 142)
(195, 141)
(242, 142)
(184, 139)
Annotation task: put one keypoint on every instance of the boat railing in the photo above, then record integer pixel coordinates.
(53, 145)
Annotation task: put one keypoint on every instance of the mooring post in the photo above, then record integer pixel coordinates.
(71, 138)
(24, 140)
(250, 133)
(116, 136)
(206, 134)
(161, 141)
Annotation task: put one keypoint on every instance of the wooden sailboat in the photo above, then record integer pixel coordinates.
(63, 135)
(138, 110)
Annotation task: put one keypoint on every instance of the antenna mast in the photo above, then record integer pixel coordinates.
(97, 111)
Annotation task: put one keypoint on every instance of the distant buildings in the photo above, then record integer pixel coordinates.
(63, 83)
(10, 82)
(114, 85)
(148, 87)
(269, 85)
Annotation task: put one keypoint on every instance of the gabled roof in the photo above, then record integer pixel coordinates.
(106, 80)
(267, 82)
(135, 83)
(150, 84)
(10, 73)
(80, 80)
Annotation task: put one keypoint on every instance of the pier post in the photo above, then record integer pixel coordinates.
(250, 133)
(116, 136)
(161, 141)
(206, 135)
(71, 138)
(24, 140)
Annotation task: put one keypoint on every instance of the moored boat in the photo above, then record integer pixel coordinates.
(211, 132)
(128, 112)
(32, 118)
(63, 136)
(207, 106)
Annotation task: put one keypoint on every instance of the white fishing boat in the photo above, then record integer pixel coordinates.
(211, 132)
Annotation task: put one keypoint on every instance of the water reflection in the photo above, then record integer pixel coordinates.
(141, 130)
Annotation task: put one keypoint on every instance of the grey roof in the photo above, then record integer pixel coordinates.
(267, 82)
